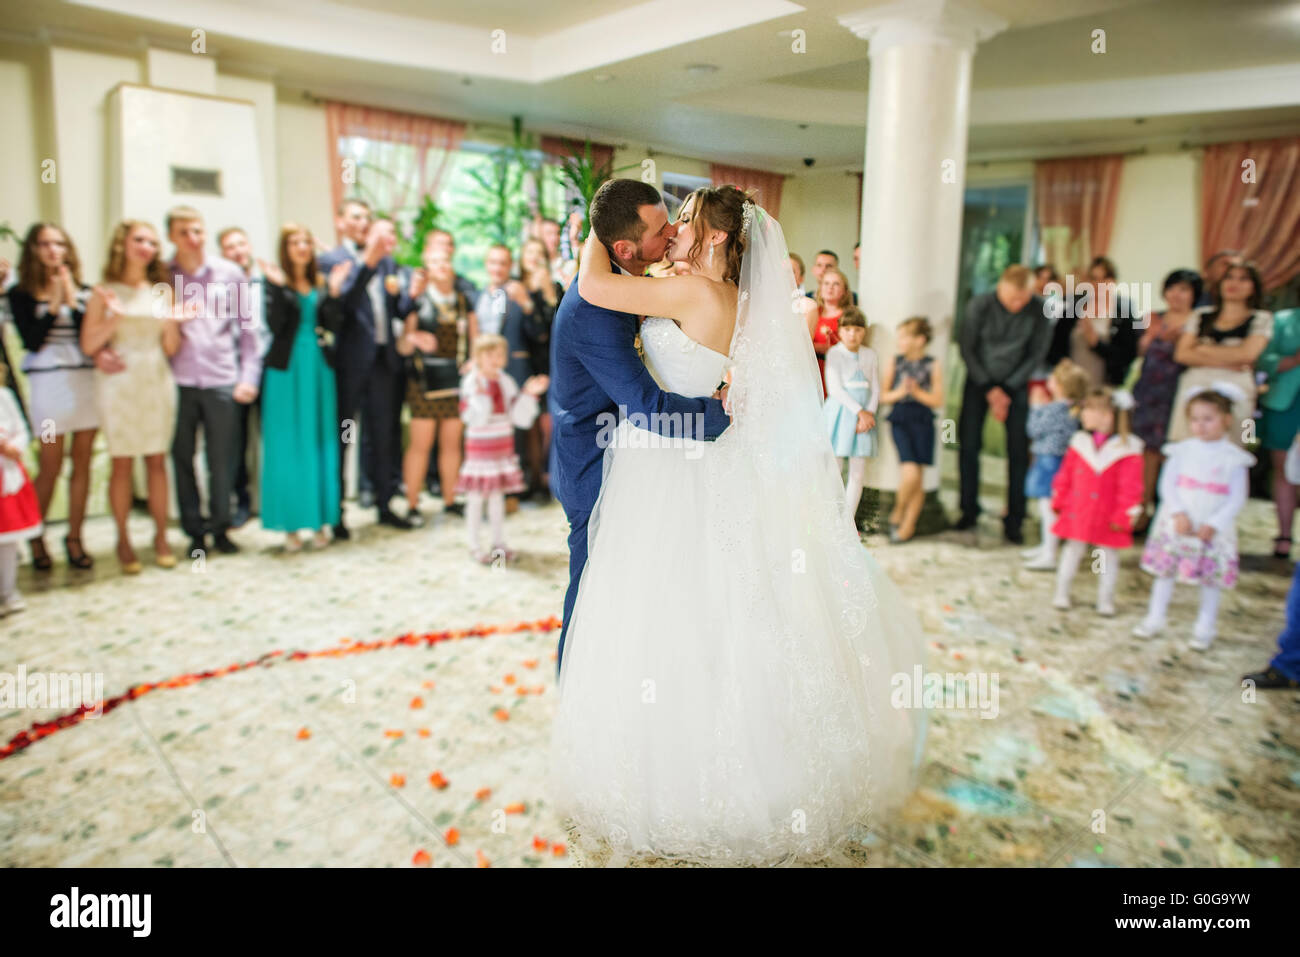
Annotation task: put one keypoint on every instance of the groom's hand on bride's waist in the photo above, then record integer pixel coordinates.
(721, 396)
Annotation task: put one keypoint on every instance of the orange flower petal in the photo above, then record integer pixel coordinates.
(509, 679)
(417, 702)
(391, 733)
(422, 858)
(451, 836)
(494, 689)
(517, 808)
(539, 843)
(483, 794)
(480, 860)
(426, 684)
(501, 714)
(437, 780)
(530, 663)
(303, 734)
(558, 849)
(398, 780)
(423, 732)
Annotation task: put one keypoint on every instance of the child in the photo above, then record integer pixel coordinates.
(1203, 485)
(916, 390)
(20, 512)
(852, 395)
(1051, 425)
(1097, 494)
(492, 407)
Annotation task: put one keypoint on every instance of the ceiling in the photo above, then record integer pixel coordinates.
(618, 70)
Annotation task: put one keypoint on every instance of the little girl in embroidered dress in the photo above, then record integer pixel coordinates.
(492, 406)
(1193, 539)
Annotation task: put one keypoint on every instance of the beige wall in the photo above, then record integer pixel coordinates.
(262, 95)
(819, 210)
(28, 135)
(1158, 218)
(302, 160)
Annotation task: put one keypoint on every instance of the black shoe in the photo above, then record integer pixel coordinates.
(1271, 679)
(455, 508)
(341, 534)
(1013, 536)
(199, 545)
(241, 516)
(393, 520)
(224, 544)
(965, 524)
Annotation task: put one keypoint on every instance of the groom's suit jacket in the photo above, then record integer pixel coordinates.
(595, 370)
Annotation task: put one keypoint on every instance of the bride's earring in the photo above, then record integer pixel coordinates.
(708, 262)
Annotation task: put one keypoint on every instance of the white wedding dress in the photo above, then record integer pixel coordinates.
(725, 689)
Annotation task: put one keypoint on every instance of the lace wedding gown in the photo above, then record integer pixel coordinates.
(725, 687)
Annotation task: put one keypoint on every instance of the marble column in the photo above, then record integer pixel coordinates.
(913, 183)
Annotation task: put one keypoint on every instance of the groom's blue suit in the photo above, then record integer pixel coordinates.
(595, 374)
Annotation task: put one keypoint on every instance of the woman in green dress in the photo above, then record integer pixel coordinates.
(300, 451)
(1281, 419)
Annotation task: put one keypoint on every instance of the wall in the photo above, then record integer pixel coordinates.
(1158, 219)
(302, 159)
(819, 210)
(29, 139)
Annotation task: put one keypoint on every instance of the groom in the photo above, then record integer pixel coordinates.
(596, 372)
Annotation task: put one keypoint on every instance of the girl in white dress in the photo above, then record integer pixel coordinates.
(852, 397)
(137, 405)
(1203, 485)
(725, 684)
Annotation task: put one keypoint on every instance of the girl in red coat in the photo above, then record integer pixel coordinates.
(1096, 495)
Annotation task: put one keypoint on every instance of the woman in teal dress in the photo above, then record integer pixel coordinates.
(300, 451)
(1280, 361)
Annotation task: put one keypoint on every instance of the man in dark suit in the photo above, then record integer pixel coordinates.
(368, 369)
(596, 372)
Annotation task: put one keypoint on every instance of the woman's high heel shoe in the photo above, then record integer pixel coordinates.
(81, 559)
(41, 560)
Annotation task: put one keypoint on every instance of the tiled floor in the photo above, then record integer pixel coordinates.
(1105, 751)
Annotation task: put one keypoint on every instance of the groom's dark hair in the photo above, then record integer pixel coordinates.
(616, 210)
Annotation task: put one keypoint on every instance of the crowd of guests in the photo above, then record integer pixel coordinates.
(1109, 451)
(325, 346)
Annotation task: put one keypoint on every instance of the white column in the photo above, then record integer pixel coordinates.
(915, 172)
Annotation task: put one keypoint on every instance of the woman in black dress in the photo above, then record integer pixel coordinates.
(536, 275)
(435, 343)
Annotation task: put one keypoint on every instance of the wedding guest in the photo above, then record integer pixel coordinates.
(823, 316)
(300, 450)
(1214, 269)
(235, 247)
(213, 375)
(506, 309)
(1280, 361)
(369, 371)
(563, 268)
(537, 277)
(6, 273)
(1221, 343)
(916, 390)
(1003, 337)
(137, 404)
(1283, 672)
(796, 266)
(442, 240)
(1203, 487)
(852, 397)
(1098, 333)
(824, 260)
(20, 511)
(1157, 384)
(493, 407)
(857, 259)
(1051, 425)
(1044, 276)
(48, 306)
(435, 344)
(1097, 494)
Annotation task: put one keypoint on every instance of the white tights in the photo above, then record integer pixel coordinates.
(1107, 575)
(1162, 591)
(496, 507)
(1047, 550)
(8, 570)
(853, 487)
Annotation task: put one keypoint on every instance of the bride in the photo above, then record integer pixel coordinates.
(724, 693)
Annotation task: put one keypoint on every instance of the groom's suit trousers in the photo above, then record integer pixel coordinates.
(577, 562)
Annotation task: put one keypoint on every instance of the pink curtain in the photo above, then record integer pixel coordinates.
(562, 148)
(1075, 200)
(766, 187)
(1250, 200)
(409, 175)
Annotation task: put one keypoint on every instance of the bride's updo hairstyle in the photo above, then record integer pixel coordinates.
(723, 208)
